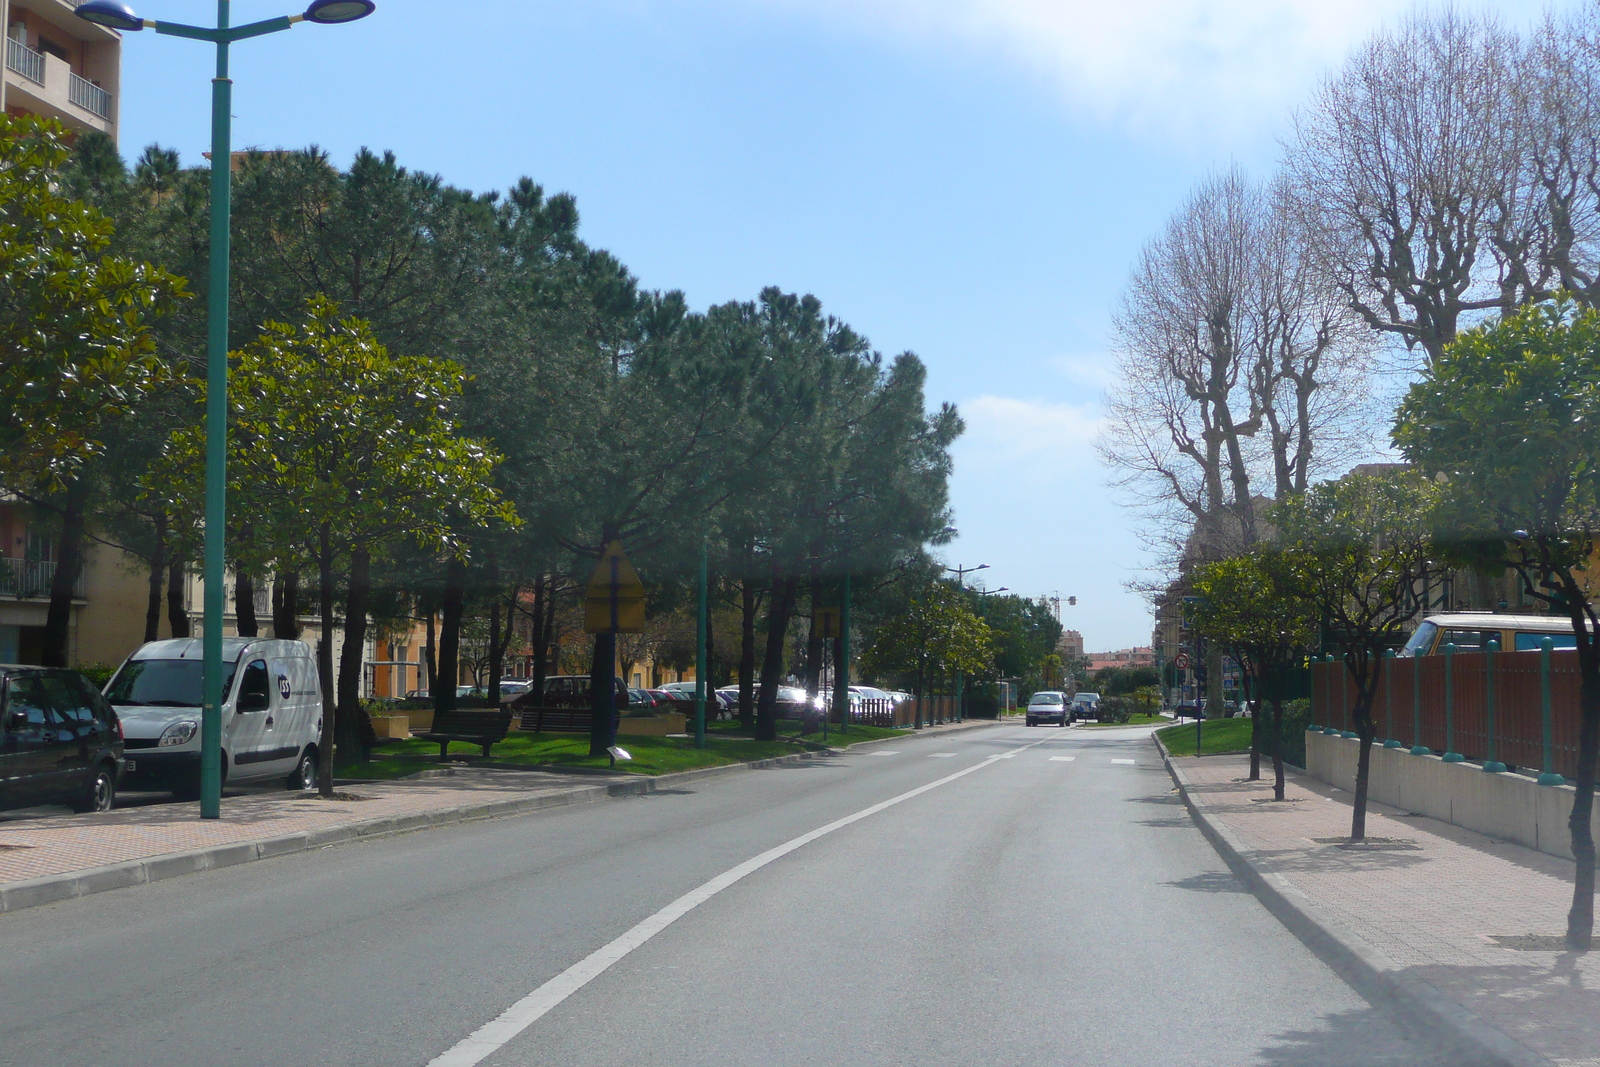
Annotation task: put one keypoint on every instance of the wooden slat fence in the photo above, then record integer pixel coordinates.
(1414, 694)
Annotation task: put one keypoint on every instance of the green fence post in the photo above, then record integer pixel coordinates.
(1450, 753)
(1491, 761)
(1344, 700)
(1549, 777)
(1388, 700)
(1417, 747)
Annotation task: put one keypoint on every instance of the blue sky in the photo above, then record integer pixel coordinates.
(966, 179)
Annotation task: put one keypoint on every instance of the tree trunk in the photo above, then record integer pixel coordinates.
(325, 657)
(352, 717)
(1580, 920)
(814, 645)
(602, 693)
(497, 653)
(783, 595)
(430, 654)
(543, 589)
(1277, 748)
(747, 654)
(177, 617)
(455, 596)
(244, 603)
(1255, 733)
(158, 566)
(69, 567)
(1366, 730)
(286, 606)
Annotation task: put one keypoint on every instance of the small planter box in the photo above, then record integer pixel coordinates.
(392, 726)
(672, 722)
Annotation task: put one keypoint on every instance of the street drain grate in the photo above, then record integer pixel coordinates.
(1530, 942)
(14, 848)
(1371, 844)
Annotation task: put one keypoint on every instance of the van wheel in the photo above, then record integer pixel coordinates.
(101, 792)
(304, 778)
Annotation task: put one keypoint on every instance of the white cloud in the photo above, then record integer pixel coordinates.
(1178, 69)
(1029, 438)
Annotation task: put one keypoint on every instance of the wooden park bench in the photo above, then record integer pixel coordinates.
(558, 720)
(477, 726)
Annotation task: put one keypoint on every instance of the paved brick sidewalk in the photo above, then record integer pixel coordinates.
(59, 844)
(1433, 906)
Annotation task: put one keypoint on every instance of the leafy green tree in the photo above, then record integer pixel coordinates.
(336, 447)
(78, 350)
(1360, 549)
(1505, 418)
(1257, 608)
(938, 635)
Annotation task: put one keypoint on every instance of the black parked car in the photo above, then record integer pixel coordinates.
(62, 743)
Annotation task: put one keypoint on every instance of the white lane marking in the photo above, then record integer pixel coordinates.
(1008, 755)
(884, 753)
(1063, 759)
(947, 755)
(1129, 762)
(493, 1035)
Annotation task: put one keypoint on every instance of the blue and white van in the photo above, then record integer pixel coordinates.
(271, 714)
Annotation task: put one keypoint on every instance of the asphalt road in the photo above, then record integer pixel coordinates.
(1054, 904)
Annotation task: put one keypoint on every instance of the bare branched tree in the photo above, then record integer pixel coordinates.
(1239, 373)
(1559, 112)
(1412, 179)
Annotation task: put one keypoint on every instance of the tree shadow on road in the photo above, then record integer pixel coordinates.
(1363, 1036)
(1209, 882)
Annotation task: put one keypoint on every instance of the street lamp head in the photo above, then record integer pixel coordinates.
(329, 12)
(110, 13)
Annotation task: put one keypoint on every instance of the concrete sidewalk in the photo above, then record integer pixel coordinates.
(1434, 921)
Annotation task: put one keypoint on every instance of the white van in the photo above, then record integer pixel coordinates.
(271, 713)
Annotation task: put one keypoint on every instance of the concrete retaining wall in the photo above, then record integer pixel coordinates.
(1511, 807)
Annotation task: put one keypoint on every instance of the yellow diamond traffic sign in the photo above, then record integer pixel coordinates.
(614, 601)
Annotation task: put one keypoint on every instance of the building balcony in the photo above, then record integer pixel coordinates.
(29, 579)
(46, 85)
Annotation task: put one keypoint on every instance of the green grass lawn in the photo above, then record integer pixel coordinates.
(789, 729)
(1133, 720)
(651, 755)
(1220, 735)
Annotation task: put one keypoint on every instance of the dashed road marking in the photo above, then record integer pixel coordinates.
(940, 755)
(1062, 759)
(1129, 762)
(885, 753)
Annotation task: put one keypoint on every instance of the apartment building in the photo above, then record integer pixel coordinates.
(59, 66)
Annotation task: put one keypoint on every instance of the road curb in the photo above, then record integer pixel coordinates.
(51, 889)
(1360, 963)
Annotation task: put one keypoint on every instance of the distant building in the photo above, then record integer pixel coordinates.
(1070, 646)
(1122, 657)
(58, 66)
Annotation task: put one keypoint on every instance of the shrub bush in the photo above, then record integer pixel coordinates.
(1296, 717)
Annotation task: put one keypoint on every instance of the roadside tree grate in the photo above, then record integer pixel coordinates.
(1530, 942)
(1371, 844)
(14, 848)
(346, 797)
(1273, 800)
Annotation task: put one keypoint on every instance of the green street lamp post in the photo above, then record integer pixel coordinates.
(119, 16)
(701, 665)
